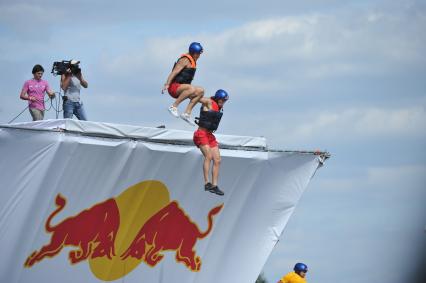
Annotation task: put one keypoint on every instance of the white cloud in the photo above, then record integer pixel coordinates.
(404, 176)
(376, 179)
(360, 124)
(274, 57)
(289, 50)
(270, 29)
(29, 18)
(374, 17)
(338, 127)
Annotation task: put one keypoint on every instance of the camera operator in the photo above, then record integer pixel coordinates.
(71, 83)
(33, 91)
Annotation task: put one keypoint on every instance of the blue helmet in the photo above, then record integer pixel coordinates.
(300, 267)
(221, 94)
(195, 47)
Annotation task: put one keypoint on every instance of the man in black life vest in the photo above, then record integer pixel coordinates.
(179, 81)
(208, 122)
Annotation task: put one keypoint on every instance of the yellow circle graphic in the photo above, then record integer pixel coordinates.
(136, 205)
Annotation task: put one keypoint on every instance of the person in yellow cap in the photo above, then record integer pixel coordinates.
(296, 276)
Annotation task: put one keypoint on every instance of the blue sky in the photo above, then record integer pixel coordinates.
(343, 76)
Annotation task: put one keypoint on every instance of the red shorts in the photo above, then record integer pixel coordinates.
(173, 89)
(203, 137)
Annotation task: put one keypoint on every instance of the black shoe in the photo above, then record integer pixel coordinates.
(208, 186)
(215, 189)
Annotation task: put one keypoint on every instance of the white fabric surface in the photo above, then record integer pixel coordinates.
(261, 192)
(128, 131)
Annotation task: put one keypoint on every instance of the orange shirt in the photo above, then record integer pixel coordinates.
(293, 277)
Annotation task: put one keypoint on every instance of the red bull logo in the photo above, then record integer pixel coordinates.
(169, 229)
(116, 235)
(92, 231)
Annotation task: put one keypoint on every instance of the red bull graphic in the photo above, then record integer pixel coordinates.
(170, 229)
(93, 231)
(118, 234)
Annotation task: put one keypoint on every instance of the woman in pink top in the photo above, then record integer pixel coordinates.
(33, 91)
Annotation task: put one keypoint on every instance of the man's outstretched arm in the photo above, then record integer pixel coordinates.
(180, 65)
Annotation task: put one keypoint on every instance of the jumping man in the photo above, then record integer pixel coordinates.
(178, 83)
(208, 122)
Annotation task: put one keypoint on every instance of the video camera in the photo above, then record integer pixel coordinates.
(60, 68)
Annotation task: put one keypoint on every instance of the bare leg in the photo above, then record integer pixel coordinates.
(184, 91)
(198, 94)
(216, 164)
(206, 151)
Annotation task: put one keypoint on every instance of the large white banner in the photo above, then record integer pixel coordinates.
(81, 208)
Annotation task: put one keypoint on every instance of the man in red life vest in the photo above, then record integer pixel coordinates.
(208, 122)
(178, 83)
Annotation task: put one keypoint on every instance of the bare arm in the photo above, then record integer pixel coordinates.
(51, 93)
(65, 81)
(182, 63)
(24, 94)
(206, 102)
(83, 82)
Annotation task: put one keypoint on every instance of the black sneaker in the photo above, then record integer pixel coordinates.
(215, 189)
(208, 186)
